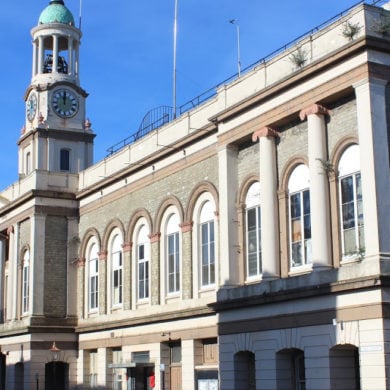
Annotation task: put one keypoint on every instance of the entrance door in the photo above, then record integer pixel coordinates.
(56, 376)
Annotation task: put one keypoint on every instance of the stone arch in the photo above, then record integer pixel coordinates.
(247, 182)
(204, 186)
(91, 232)
(139, 213)
(288, 169)
(113, 224)
(170, 201)
(339, 149)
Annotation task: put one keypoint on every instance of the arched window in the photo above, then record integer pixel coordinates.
(290, 369)
(244, 370)
(173, 254)
(143, 262)
(116, 271)
(93, 278)
(207, 244)
(351, 202)
(26, 282)
(253, 231)
(299, 216)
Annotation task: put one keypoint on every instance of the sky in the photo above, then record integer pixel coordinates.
(126, 56)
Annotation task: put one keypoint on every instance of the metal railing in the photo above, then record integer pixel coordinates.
(166, 116)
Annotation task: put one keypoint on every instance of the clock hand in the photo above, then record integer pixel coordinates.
(64, 97)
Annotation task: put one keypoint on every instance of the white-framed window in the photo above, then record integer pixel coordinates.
(93, 369)
(26, 282)
(299, 217)
(93, 278)
(351, 203)
(172, 240)
(207, 244)
(116, 271)
(143, 263)
(253, 231)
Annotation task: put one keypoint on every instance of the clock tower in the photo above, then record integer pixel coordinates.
(56, 136)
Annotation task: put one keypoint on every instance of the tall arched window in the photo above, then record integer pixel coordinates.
(173, 254)
(93, 278)
(28, 163)
(26, 282)
(299, 216)
(351, 202)
(143, 261)
(253, 231)
(207, 244)
(116, 271)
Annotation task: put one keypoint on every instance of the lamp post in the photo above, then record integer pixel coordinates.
(235, 22)
(174, 59)
(55, 352)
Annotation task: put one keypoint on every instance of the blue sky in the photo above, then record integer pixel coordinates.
(127, 56)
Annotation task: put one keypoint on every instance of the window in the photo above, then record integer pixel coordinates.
(119, 373)
(26, 282)
(300, 224)
(93, 369)
(351, 202)
(143, 259)
(117, 268)
(253, 231)
(173, 254)
(28, 163)
(207, 244)
(64, 160)
(93, 278)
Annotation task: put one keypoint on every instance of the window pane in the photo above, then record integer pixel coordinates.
(295, 206)
(347, 190)
(296, 249)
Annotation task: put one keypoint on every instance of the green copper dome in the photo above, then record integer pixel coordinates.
(56, 12)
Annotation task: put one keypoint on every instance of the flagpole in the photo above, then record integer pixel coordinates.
(174, 59)
(235, 22)
(81, 5)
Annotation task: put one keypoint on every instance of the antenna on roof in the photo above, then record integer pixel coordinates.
(81, 5)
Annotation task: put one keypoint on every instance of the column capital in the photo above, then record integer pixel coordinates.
(126, 246)
(314, 109)
(155, 237)
(186, 226)
(265, 132)
(102, 255)
(80, 262)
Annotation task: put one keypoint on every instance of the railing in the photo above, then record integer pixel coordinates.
(210, 93)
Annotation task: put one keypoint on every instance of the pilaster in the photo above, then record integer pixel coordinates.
(81, 287)
(155, 268)
(102, 282)
(374, 159)
(186, 230)
(127, 275)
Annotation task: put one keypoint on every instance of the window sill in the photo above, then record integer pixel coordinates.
(302, 269)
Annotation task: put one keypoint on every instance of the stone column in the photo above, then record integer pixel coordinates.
(3, 256)
(127, 275)
(70, 57)
(41, 54)
(227, 173)
(81, 288)
(374, 163)
(187, 289)
(319, 185)
(103, 282)
(34, 60)
(270, 257)
(155, 292)
(55, 54)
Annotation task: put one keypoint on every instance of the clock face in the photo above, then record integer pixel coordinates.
(65, 103)
(31, 107)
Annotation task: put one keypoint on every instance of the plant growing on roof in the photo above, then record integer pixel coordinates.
(299, 57)
(350, 30)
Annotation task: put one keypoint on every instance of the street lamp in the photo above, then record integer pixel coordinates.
(55, 352)
(235, 22)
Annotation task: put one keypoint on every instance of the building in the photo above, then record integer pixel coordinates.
(242, 245)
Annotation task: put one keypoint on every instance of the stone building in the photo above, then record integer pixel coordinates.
(241, 245)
